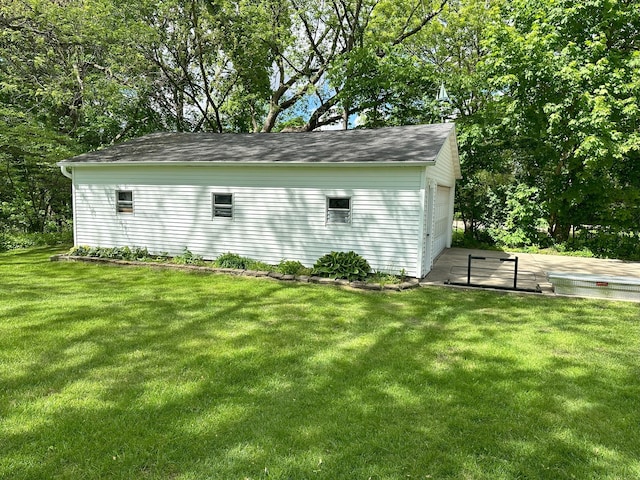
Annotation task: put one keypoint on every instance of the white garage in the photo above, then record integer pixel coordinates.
(386, 194)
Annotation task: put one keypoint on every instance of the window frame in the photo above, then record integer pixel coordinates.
(230, 207)
(125, 207)
(329, 210)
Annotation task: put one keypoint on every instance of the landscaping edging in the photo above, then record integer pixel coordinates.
(413, 283)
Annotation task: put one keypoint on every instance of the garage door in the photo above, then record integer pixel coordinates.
(442, 222)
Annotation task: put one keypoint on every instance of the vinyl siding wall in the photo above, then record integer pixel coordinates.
(278, 212)
(442, 172)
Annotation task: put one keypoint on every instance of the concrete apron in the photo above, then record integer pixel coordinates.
(451, 267)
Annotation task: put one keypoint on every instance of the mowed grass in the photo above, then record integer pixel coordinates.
(112, 372)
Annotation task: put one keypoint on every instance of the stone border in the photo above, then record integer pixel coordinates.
(360, 285)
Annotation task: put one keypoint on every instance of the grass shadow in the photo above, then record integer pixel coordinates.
(143, 373)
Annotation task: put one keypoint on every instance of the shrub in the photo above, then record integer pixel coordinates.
(257, 265)
(187, 258)
(13, 240)
(385, 278)
(480, 238)
(138, 253)
(232, 260)
(292, 267)
(118, 253)
(606, 243)
(524, 223)
(79, 251)
(347, 265)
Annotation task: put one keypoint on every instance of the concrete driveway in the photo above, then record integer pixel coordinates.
(451, 267)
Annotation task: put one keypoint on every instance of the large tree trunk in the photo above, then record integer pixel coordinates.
(271, 119)
(558, 229)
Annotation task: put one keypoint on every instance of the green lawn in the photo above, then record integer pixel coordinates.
(111, 372)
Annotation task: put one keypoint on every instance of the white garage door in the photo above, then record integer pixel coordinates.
(442, 223)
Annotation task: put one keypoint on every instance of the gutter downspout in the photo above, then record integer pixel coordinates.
(65, 172)
(69, 174)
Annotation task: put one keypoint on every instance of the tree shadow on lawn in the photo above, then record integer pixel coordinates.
(245, 378)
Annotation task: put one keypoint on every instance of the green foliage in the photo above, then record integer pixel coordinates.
(232, 260)
(346, 265)
(115, 253)
(292, 267)
(386, 86)
(605, 243)
(385, 278)
(187, 258)
(291, 124)
(62, 92)
(568, 75)
(479, 239)
(523, 223)
(16, 239)
(259, 266)
(34, 196)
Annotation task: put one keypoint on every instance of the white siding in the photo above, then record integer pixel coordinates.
(442, 172)
(279, 212)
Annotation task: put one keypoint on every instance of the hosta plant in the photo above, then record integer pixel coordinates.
(347, 265)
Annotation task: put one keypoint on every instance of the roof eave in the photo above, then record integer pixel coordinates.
(425, 163)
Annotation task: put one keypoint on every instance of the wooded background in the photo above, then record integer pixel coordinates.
(544, 94)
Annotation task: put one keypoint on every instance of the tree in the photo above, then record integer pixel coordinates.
(570, 82)
(33, 195)
(452, 51)
(61, 92)
(332, 51)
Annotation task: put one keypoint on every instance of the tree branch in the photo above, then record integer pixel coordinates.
(406, 34)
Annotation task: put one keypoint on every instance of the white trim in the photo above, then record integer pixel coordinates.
(64, 168)
(328, 198)
(73, 210)
(124, 212)
(428, 163)
(421, 247)
(224, 206)
(430, 219)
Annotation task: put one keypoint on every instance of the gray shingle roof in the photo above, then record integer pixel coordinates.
(418, 143)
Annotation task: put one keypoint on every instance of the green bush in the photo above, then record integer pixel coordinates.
(606, 244)
(188, 258)
(386, 278)
(116, 253)
(347, 265)
(292, 267)
(138, 253)
(480, 239)
(257, 265)
(524, 223)
(79, 251)
(13, 240)
(232, 260)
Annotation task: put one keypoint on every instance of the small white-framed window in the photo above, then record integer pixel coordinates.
(124, 201)
(338, 209)
(222, 205)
